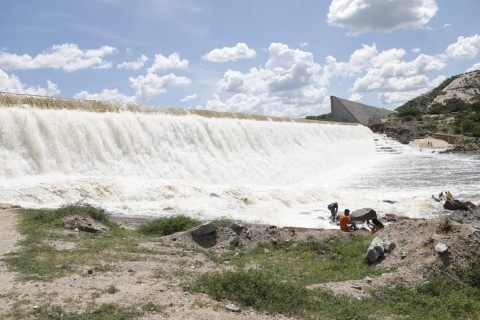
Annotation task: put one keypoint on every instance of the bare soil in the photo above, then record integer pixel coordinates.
(160, 278)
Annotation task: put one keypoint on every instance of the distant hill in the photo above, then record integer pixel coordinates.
(464, 87)
(450, 112)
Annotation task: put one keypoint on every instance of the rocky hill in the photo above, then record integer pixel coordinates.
(450, 112)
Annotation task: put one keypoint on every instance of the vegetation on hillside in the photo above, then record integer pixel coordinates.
(322, 117)
(453, 117)
(422, 102)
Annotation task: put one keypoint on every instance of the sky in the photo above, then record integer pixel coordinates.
(269, 57)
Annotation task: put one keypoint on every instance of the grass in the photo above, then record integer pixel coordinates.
(37, 260)
(168, 225)
(309, 262)
(274, 279)
(107, 311)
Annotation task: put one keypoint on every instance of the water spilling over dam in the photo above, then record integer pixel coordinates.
(152, 161)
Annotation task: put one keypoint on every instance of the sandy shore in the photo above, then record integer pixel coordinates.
(431, 143)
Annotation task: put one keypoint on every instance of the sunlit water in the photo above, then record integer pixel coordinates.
(281, 173)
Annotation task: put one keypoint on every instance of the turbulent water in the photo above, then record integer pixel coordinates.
(282, 173)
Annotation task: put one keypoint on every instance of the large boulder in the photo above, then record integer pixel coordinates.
(203, 230)
(362, 215)
(458, 205)
(87, 224)
(376, 250)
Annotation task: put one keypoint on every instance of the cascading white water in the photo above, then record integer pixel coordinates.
(208, 150)
(142, 163)
(282, 173)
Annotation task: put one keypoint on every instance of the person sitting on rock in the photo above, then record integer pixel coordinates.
(333, 207)
(345, 223)
(449, 196)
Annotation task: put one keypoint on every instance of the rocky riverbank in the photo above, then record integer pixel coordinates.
(154, 273)
(406, 132)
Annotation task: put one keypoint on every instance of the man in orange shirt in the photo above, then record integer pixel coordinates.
(345, 223)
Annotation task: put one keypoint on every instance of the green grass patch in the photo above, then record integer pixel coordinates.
(37, 260)
(107, 311)
(274, 279)
(309, 262)
(168, 225)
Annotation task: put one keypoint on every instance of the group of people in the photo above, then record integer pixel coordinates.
(447, 196)
(344, 220)
(348, 225)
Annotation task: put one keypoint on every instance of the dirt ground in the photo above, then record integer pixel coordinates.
(413, 257)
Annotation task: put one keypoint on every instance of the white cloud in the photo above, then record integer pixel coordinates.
(288, 85)
(240, 51)
(11, 83)
(133, 65)
(361, 16)
(476, 66)
(152, 85)
(163, 63)
(464, 48)
(106, 95)
(65, 56)
(189, 98)
(416, 50)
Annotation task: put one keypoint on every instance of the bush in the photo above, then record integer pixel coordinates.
(476, 131)
(168, 225)
(445, 225)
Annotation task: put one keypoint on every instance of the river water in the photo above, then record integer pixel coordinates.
(282, 173)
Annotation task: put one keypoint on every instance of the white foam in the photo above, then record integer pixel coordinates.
(281, 173)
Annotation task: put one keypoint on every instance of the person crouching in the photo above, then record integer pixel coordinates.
(345, 223)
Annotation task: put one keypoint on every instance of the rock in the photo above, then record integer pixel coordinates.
(234, 241)
(375, 250)
(394, 217)
(389, 201)
(388, 246)
(403, 255)
(87, 224)
(232, 307)
(204, 229)
(363, 215)
(356, 287)
(458, 205)
(214, 195)
(237, 228)
(368, 279)
(441, 248)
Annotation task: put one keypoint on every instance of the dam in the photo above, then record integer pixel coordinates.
(156, 162)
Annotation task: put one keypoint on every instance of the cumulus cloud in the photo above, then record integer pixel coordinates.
(11, 83)
(133, 65)
(153, 85)
(360, 16)
(68, 57)
(288, 85)
(163, 63)
(240, 51)
(106, 95)
(464, 48)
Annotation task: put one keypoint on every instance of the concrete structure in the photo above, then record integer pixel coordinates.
(349, 111)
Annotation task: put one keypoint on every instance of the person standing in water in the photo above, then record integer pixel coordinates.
(333, 207)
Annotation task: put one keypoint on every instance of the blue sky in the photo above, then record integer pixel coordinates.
(272, 57)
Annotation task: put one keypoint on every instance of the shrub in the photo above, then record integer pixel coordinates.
(168, 225)
(476, 131)
(445, 224)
